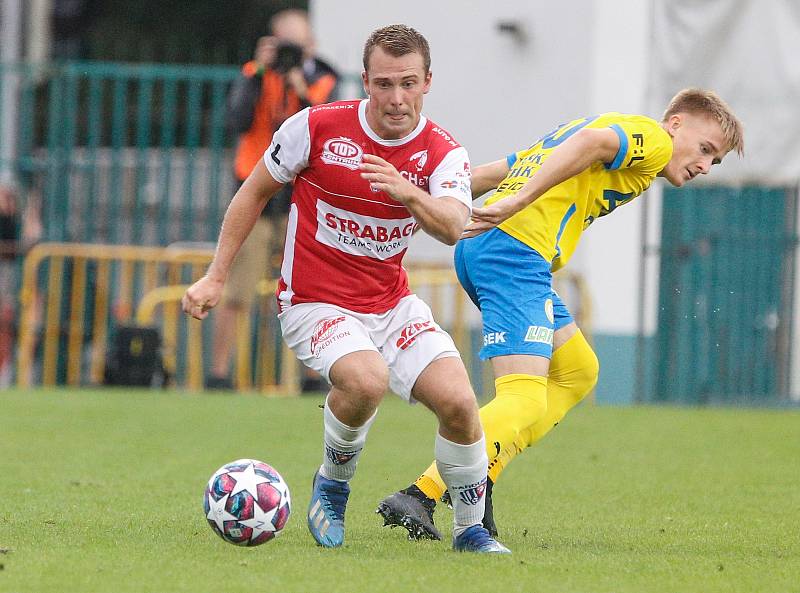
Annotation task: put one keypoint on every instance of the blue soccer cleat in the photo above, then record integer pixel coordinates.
(326, 511)
(477, 539)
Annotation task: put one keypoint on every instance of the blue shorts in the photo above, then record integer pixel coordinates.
(512, 286)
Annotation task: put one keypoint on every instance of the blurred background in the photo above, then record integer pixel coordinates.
(117, 152)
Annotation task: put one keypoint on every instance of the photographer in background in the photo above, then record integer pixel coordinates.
(20, 228)
(283, 78)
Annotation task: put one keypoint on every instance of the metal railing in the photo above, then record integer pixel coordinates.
(73, 297)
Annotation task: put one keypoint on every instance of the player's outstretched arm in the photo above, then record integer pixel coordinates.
(488, 176)
(442, 217)
(573, 156)
(240, 217)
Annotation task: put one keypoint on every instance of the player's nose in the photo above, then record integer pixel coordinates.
(704, 166)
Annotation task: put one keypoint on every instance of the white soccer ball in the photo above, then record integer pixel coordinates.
(247, 502)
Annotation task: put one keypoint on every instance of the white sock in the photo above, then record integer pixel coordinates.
(343, 446)
(463, 468)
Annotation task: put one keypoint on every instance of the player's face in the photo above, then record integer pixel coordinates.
(697, 144)
(395, 86)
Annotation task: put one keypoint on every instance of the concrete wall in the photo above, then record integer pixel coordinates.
(498, 91)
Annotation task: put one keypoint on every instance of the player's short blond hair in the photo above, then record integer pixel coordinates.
(700, 101)
(398, 40)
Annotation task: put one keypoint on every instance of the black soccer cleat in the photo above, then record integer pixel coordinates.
(411, 509)
(488, 513)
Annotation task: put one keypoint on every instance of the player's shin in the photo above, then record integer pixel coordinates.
(463, 469)
(519, 403)
(343, 445)
(431, 483)
(573, 375)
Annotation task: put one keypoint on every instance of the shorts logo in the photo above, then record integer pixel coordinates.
(548, 310)
(473, 493)
(448, 184)
(411, 331)
(421, 157)
(494, 338)
(539, 333)
(325, 333)
(342, 151)
(339, 457)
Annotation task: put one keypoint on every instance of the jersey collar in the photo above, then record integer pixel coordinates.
(362, 118)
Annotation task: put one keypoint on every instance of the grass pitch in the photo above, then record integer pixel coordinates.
(101, 492)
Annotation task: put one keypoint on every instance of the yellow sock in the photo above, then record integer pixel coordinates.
(573, 374)
(431, 483)
(519, 403)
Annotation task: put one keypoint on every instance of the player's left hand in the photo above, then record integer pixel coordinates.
(485, 219)
(382, 176)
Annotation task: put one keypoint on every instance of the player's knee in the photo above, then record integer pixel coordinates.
(524, 397)
(370, 383)
(457, 411)
(585, 376)
(575, 368)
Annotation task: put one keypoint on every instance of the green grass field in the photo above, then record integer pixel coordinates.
(101, 492)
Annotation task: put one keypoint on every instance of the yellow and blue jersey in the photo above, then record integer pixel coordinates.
(552, 224)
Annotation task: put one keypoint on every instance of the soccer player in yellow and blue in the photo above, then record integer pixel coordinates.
(546, 197)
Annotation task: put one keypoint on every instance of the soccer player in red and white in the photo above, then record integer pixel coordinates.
(366, 174)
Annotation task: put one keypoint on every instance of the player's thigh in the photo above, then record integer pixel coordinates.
(249, 267)
(514, 287)
(321, 334)
(563, 323)
(409, 339)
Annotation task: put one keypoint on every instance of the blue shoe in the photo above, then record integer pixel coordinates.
(326, 511)
(477, 539)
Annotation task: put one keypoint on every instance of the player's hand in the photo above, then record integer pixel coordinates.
(485, 219)
(297, 81)
(201, 296)
(265, 51)
(382, 176)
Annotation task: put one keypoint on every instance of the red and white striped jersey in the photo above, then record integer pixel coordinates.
(345, 242)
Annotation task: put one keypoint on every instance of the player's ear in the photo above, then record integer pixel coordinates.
(427, 84)
(365, 82)
(674, 122)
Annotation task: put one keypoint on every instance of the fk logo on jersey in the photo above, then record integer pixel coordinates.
(421, 157)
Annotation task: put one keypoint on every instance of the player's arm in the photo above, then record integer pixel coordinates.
(573, 156)
(488, 176)
(442, 217)
(240, 217)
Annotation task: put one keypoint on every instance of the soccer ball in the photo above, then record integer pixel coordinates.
(246, 502)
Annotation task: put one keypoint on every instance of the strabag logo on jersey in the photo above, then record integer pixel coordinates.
(325, 333)
(362, 235)
(411, 331)
(342, 151)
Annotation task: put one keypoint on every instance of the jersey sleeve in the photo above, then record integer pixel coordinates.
(451, 177)
(288, 152)
(644, 146)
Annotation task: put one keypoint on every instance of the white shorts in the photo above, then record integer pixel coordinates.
(407, 337)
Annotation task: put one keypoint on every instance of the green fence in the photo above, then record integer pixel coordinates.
(120, 153)
(726, 295)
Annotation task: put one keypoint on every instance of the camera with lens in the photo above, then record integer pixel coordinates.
(287, 56)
